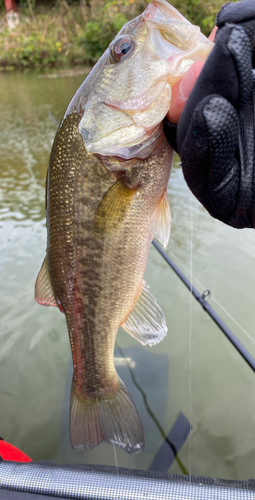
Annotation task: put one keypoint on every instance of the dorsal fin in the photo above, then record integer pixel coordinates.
(43, 290)
(161, 224)
(146, 322)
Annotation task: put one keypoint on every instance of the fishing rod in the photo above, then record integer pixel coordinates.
(201, 298)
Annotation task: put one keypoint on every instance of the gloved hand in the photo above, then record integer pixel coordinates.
(215, 136)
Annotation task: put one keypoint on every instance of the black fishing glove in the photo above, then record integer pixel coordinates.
(215, 134)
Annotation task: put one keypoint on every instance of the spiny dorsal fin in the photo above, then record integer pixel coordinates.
(114, 206)
(146, 322)
(161, 224)
(43, 290)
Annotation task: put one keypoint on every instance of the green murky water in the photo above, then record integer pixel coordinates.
(195, 370)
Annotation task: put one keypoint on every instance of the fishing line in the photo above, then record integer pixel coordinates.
(190, 330)
(150, 412)
(115, 457)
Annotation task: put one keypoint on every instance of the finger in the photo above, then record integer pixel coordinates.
(181, 91)
(236, 13)
(209, 164)
(213, 33)
(227, 73)
(243, 14)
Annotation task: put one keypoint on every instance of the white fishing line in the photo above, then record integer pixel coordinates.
(116, 460)
(190, 329)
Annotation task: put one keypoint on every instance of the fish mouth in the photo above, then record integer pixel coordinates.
(173, 38)
(145, 113)
(144, 128)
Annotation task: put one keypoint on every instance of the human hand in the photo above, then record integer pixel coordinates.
(182, 89)
(215, 134)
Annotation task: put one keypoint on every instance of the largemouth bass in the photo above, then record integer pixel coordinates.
(106, 199)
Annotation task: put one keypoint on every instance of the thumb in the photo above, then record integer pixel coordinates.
(181, 91)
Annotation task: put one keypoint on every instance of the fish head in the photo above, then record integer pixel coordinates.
(128, 93)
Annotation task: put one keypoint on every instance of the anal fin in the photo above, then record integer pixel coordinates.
(161, 224)
(43, 290)
(146, 322)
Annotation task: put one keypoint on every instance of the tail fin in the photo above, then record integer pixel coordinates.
(112, 419)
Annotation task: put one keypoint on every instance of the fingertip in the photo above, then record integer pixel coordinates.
(213, 33)
(195, 71)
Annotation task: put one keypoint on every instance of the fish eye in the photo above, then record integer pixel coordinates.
(122, 48)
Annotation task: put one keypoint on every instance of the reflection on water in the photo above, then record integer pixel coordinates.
(35, 359)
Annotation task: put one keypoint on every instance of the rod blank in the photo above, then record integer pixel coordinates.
(208, 308)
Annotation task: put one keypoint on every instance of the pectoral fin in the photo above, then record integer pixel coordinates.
(161, 224)
(114, 206)
(43, 290)
(146, 322)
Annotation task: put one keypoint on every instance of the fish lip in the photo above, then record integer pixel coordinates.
(105, 158)
(142, 102)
